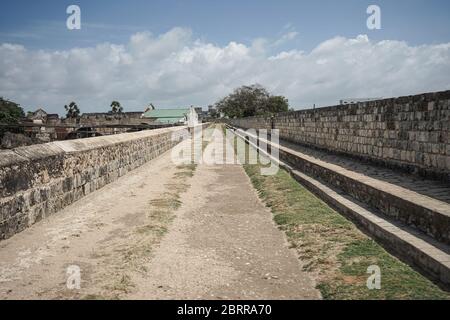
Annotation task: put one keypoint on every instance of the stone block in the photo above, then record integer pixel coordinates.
(39, 180)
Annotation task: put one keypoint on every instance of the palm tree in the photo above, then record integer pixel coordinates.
(72, 110)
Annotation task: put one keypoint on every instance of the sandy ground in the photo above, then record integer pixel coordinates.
(159, 233)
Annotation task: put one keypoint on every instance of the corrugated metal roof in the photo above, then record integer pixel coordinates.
(171, 120)
(166, 113)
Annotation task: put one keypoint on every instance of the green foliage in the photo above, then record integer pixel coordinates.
(116, 108)
(333, 248)
(10, 112)
(72, 110)
(253, 100)
(276, 104)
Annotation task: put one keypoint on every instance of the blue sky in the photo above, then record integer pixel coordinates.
(177, 53)
(41, 24)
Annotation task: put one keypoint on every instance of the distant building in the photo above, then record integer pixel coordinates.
(109, 115)
(150, 107)
(44, 133)
(53, 118)
(133, 114)
(168, 116)
(212, 112)
(38, 116)
(201, 114)
(105, 119)
(94, 115)
(356, 100)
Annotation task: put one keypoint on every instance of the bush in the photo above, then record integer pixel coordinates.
(254, 100)
(10, 112)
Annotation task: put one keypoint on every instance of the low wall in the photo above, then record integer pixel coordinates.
(39, 180)
(368, 198)
(411, 133)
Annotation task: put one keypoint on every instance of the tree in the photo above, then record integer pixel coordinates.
(72, 110)
(276, 104)
(10, 112)
(248, 101)
(116, 107)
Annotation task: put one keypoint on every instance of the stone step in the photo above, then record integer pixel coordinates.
(412, 245)
(397, 201)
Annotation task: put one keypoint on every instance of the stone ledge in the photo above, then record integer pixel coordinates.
(403, 193)
(428, 215)
(39, 180)
(8, 157)
(39, 151)
(79, 145)
(426, 254)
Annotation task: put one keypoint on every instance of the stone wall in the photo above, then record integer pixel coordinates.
(411, 133)
(38, 180)
(362, 200)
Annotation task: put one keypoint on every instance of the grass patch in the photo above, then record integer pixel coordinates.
(123, 285)
(152, 229)
(131, 257)
(332, 249)
(168, 202)
(186, 171)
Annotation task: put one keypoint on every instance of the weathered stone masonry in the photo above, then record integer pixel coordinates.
(411, 133)
(356, 195)
(39, 180)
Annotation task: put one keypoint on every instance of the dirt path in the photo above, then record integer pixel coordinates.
(220, 243)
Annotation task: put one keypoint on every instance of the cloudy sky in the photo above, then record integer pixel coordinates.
(193, 52)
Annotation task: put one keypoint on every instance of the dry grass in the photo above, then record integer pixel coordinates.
(332, 249)
(144, 237)
(133, 256)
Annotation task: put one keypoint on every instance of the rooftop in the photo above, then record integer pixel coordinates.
(166, 113)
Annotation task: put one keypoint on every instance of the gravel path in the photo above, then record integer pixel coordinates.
(221, 243)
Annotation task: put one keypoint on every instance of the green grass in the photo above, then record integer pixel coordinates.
(332, 249)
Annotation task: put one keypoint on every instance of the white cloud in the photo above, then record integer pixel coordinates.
(286, 38)
(174, 69)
